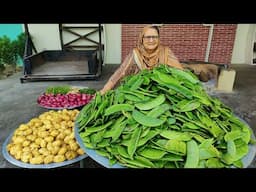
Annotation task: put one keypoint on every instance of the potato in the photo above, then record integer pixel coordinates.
(18, 132)
(23, 127)
(14, 137)
(40, 130)
(34, 146)
(49, 139)
(38, 140)
(70, 155)
(67, 131)
(46, 121)
(44, 134)
(74, 113)
(80, 151)
(56, 125)
(72, 135)
(26, 143)
(55, 150)
(36, 160)
(62, 151)
(67, 146)
(19, 139)
(72, 142)
(28, 132)
(70, 123)
(64, 111)
(66, 117)
(48, 159)
(43, 143)
(73, 146)
(64, 144)
(49, 146)
(9, 146)
(13, 151)
(17, 147)
(35, 133)
(31, 137)
(25, 157)
(42, 116)
(63, 126)
(44, 151)
(38, 124)
(49, 117)
(61, 136)
(26, 149)
(57, 143)
(67, 139)
(48, 126)
(30, 124)
(35, 152)
(18, 155)
(59, 158)
(54, 133)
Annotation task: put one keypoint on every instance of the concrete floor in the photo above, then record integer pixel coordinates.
(18, 103)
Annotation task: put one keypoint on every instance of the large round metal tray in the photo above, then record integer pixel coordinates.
(247, 160)
(18, 163)
(92, 153)
(60, 108)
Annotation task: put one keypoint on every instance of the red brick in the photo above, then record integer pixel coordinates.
(187, 41)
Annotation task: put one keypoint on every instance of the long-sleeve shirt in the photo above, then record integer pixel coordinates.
(133, 63)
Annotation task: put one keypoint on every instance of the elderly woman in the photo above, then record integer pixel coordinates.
(147, 55)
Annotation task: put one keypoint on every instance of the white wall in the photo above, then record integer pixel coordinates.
(113, 43)
(243, 45)
(47, 37)
(69, 37)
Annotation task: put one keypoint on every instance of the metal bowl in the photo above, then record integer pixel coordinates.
(92, 153)
(247, 160)
(18, 163)
(79, 107)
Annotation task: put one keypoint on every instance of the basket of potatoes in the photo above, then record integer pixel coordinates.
(47, 141)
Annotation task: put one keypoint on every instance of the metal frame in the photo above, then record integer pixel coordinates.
(30, 52)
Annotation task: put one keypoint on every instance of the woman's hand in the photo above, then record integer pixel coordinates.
(102, 91)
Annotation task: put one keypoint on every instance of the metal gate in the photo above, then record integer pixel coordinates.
(81, 55)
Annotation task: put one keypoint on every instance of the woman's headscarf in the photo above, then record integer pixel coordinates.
(145, 58)
(161, 54)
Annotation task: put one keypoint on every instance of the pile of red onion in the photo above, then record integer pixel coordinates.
(70, 100)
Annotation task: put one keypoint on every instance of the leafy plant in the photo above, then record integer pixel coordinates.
(10, 51)
(19, 45)
(7, 53)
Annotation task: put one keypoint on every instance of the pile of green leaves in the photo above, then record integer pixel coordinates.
(163, 118)
(87, 91)
(64, 89)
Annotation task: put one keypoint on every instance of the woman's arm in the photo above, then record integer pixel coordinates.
(173, 60)
(119, 73)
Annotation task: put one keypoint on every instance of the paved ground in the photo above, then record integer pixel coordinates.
(18, 103)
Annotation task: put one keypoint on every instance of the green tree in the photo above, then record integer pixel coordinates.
(19, 45)
(11, 51)
(7, 53)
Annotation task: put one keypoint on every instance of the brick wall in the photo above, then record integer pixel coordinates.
(187, 41)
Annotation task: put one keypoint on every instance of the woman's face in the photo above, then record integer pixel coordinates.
(150, 39)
